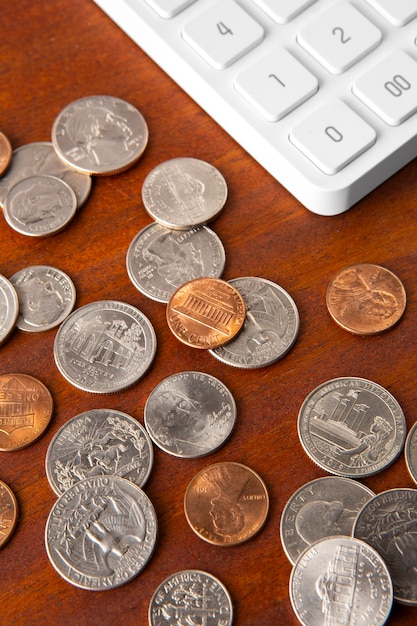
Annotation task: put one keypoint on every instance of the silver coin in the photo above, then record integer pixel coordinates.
(9, 308)
(340, 580)
(46, 297)
(184, 192)
(351, 427)
(101, 533)
(321, 508)
(270, 329)
(388, 522)
(40, 206)
(105, 346)
(98, 442)
(40, 158)
(410, 451)
(190, 414)
(191, 597)
(100, 135)
(159, 259)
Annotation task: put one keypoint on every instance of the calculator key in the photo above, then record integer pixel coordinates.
(339, 37)
(390, 88)
(398, 12)
(169, 8)
(223, 33)
(282, 11)
(333, 136)
(276, 84)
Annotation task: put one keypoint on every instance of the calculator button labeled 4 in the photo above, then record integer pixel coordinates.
(398, 12)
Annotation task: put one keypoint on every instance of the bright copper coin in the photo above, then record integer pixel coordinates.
(226, 504)
(206, 313)
(366, 299)
(25, 410)
(8, 513)
(5, 153)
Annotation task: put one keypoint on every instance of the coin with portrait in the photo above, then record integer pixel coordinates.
(9, 308)
(8, 513)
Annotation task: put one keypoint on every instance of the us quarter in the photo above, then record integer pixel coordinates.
(105, 346)
(410, 450)
(46, 297)
(184, 192)
(98, 442)
(191, 597)
(101, 533)
(100, 135)
(271, 325)
(159, 260)
(351, 427)
(190, 414)
(9, 308)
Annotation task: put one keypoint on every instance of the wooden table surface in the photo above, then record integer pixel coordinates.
(52, 53)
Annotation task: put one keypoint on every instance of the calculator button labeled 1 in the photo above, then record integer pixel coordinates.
(333, 136)
(398, 12)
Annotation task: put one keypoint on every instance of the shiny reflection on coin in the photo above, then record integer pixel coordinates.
(25, 411)
(351, 427)
(9, 308)
(410, 451)
(190, 414)
(340, 580)
(321, 508)
(159, 260)
(46, 297)
(270, 329)
(100, 135)
(101, 533)
(191, 597)
(40, 206)
(5, 153)
(226, 504)
(366, 299)
(184, 192)
(8, 513)
(388, 523)
(98, 442)
(105, 346)
(38, 158)
(206, 313)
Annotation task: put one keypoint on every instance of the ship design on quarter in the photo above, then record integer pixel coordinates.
(101, 532)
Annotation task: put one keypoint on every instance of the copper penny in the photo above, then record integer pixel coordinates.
(226, 504)
(5, 153)
(25, 410)
(206, 313)
(8, 513)
(366, 299)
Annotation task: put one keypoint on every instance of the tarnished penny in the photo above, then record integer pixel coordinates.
(25, 410)
(366, 299)
(5, 153)
(226, 504)
(8, 513)
(206, 313)
(410, 451)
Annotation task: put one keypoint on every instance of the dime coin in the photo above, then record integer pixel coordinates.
(159, 259)
(25, 411)
(340, 580)
(366, 299)
(321, 508)
(226, 504)
(9, 308)
(5, 153)
(39, 206)
(40, 158)
(46, 297)
(270, 329)
(184, 192)
(191, 597)
(206, 313)
(100, 135)
(105, 346)
(98, 442)
(8, 513)
(190, 414)
(410, 450)
(101, 533)
(388, 523)
(351, 427)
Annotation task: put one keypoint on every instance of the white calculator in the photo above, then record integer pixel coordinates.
(322, 93)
